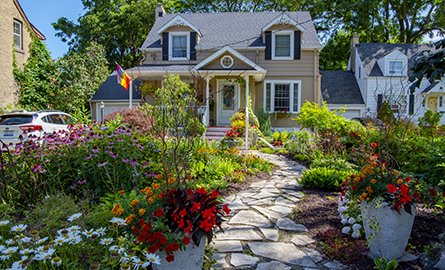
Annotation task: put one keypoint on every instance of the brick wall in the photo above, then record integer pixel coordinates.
(8, 87)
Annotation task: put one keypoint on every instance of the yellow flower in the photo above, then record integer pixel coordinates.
(142, 212)
(147, 191)
(364, 194)
(155, 186)
(399, 181)
(150, 200)
(171, 180)
(117, 210)
(134, 203)
(396, 172)
(121, 192)
(373, 181)
(369, 189)
(130, 218)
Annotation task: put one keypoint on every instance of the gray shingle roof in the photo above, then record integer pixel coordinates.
(370, 53)
(111, 90)
(340, 87)
(237, 29)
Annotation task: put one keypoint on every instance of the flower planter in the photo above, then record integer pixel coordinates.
(387, 231)
(189, 259)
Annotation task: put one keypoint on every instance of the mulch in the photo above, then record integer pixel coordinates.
(318, 212)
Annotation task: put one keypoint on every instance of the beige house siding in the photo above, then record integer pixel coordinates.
(8, 88)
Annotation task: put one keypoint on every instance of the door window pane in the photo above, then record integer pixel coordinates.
(228, 94)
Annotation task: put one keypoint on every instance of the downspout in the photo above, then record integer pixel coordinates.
(316, 81)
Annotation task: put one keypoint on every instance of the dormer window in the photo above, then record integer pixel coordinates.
(395, 67)
(179, 46)
(282, 45)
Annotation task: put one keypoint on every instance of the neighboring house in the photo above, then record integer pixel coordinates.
(16, 33)
(382, 73)
(274, 55)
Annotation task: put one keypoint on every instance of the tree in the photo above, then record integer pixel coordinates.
(430, 65)
(79, 76)
(120, 26)
(37, 80)
(335, 54)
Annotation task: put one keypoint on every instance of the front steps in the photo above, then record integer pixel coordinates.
(216, 133)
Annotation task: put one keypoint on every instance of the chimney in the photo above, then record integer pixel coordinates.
(160, 11)
(354, 41)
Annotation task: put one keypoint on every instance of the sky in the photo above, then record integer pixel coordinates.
(42, 13)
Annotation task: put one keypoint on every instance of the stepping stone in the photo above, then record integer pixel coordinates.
(268, 213)
(249, 217)
(315, 255)
(291, 198)
(281, 252)
(270, 234)
(238, 233)
(258, 184)
(246, 194)
(272, 189)
(263, 195)
(302, 240)
(286, 185)
(243, 260)
(228, 246)
(281, 209)
(220, 261)
(334, 265)
(288, 225)
(237, 206)
(407, 257)
(229, 198)
(248, 200)
(297, 194)
(274, 265)
(284, 202)
(261, 202)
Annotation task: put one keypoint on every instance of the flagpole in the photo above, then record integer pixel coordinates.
(131, 94)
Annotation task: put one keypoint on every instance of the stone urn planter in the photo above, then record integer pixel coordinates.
(191, 258)
(387, 230)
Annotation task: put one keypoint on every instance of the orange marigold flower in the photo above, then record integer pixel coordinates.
(121, 192)
(171, 180)
(150, 200)
(399, 181)
(373, 181)
(130, 218)
(158, 176)
(369, 189)
(117, 210)
(147, 191)
(141, 212)
(364, 194)
(374, 145)
(134, 202)
(156, 185)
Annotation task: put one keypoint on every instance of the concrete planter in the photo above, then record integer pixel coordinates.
(387, 231)
(189, 259)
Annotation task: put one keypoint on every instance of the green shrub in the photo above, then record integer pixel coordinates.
(385, 113)
(333, 163)
(323, 178)
(265, 123)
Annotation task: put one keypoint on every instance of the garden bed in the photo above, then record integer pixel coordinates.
(318, 212)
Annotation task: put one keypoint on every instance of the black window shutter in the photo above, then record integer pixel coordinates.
(297, 45)
(411, 104)
(192, 46)
(379, 102)
(268, 45)
(165, 46)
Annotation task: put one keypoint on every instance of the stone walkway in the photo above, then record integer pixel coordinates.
(260, 234)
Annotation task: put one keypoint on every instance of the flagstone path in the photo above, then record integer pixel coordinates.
(260, 234)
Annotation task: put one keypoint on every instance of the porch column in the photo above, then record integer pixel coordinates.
(247, 112)
(207, 97)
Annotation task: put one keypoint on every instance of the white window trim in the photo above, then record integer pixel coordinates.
(401, 73)
(170, 45)
(291, 94)
(282, 32)
(20, 36)
(398, 97)
(231, 59)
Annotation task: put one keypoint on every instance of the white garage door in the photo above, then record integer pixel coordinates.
(351, 114)
(109, 108)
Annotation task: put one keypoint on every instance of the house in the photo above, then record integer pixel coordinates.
(381, 71)
(274, 56)
(16, 33)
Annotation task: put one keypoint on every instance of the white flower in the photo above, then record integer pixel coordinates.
(106, 241)
(10, 242)
(344, 221)
(74, 239)
(46, 255)
(153, 258)
(10, 250)
(40, 248)
(41, 240)
(351, 220)
(1, 237)
(25, 239)
(342, 209)
(2, 247)
(74, 217)
(346, 230)
(4, 222)
(118, 221)
(56, 261)
(126, 257)
(74, 228)
(101, 231)
(117, 249)
(355, 234)
(19, 228)
(89, 233)
(5, 257)
(18, 265)
(60, 240)
(356, 227)
(26, 251)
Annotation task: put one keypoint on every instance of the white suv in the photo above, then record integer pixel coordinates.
(23, 123)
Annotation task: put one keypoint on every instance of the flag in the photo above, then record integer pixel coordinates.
(122, 77)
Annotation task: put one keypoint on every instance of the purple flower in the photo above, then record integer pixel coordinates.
(125, 160)
(102, 164)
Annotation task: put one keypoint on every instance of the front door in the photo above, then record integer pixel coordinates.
(432, 104)
(228, 101)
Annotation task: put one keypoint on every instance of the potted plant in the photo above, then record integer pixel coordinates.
(173, 222)
(387, 199)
